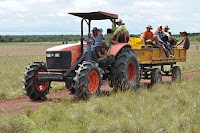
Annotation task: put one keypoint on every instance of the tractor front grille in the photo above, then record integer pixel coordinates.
(58, 60)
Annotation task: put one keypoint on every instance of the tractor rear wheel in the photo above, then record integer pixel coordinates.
(87, 80)
(176, 73)
(126, 70)
(156, 76)
(35, 89)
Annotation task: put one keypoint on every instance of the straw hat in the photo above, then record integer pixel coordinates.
(149, 26)
(119, 21)
(166, 27)
(184, 33)
(95, 28)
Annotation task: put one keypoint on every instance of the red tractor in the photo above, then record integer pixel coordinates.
(75, 65)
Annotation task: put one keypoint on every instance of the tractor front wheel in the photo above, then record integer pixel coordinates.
(35, 89)
(87, 80)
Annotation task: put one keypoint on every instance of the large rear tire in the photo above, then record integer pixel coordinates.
(34, 89)
(87, 80)
(126, 72)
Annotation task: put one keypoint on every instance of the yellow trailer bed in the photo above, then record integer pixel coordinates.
(150, 59)
(157, 56)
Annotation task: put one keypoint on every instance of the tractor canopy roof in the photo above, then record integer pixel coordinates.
(98, 15)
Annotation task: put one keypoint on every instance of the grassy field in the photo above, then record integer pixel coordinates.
(164, 108)
(15, 56)
(192, 62)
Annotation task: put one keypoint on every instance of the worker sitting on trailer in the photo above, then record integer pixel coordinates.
(164, 41)
(148, 37)
(170, 37)
(120, 34)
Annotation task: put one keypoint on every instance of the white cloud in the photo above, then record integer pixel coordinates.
(12, 5)
(51, 15)
(87, 5)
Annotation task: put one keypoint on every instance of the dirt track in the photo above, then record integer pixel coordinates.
(21, 105)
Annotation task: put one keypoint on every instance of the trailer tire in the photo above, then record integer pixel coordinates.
(156, 76)
(34, 89)
(176, 73)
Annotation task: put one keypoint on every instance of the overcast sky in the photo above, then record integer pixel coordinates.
(50, 16)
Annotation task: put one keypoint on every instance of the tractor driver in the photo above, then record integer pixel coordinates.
(120, 34)
(96, 35)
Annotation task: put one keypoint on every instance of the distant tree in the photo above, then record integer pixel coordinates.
(198, 38)
(1, 39)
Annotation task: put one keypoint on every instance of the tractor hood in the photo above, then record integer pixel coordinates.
(66, 47)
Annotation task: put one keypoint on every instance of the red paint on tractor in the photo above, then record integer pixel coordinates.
(93, 78)
(74, 48)
(115, 48)
(40, 88)
(131, 72)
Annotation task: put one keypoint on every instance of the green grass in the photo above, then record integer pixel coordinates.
(164, 108)
(34, 43)
(192, 62)
(12, 70)
(29, 43)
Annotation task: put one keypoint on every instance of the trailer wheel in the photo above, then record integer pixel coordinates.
(176, 73)
(156, 76)
(34, 89)
(87, 80)
(126, 73)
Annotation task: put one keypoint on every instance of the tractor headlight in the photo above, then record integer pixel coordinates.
(48, 55)
(57, 54)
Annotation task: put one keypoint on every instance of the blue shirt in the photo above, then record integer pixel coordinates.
(98, 40)
(160, 34)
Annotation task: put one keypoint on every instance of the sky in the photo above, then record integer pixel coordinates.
(50, 17)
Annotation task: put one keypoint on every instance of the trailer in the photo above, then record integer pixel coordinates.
(153, 61)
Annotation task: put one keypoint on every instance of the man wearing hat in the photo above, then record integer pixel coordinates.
(96, 35)
(169, 35)
(148, 37)
(185, 40)
(102, 49)
(120, 34)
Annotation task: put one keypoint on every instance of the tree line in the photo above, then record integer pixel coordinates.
(38, 38)
(56, 38)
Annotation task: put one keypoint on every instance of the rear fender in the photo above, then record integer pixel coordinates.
(114, 49)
